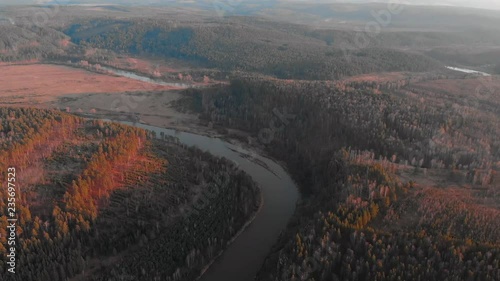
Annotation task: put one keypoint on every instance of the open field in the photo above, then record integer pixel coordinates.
(24, 85)
(152, 108)
(104, 96)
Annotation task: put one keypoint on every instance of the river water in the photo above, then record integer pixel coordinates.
(464, 70)
(244, 257)
(135, 76)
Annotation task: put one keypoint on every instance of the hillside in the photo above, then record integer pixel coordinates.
(243, 44)
(394, 187)
(269, 40)
(373, 134)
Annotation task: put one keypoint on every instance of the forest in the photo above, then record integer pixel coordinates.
(394, 123)
(237, 44)
(26, 42)
(242, 45)
(251, 43)
(348, 149)
(396, 157)
(94, 190)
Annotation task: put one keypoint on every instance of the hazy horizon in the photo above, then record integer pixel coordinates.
(481, 4)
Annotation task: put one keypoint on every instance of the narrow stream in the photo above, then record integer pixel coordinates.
(244, 257)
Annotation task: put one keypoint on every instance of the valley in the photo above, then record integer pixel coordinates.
(256, 142)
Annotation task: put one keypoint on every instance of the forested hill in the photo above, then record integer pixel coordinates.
(248, 44)
(394, 188)
(28, 42)
(309, 41)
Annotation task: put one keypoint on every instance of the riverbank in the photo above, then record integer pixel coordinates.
(245, 254)
(245, 226)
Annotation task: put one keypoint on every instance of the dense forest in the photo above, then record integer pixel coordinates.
(397, 158)
(245, 45)
(395, 123)
(94, 190)
(347, 148)
(361, 238)
(27, 42)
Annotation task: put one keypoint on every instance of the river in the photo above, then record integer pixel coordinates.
(464, 70)
(243, 258)
(135, 76)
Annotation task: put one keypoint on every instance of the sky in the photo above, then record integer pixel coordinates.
(486, 4)
(483, 4)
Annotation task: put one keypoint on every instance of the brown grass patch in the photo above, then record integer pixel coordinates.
(28, 84)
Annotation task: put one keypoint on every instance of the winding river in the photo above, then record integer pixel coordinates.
(243, 258)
